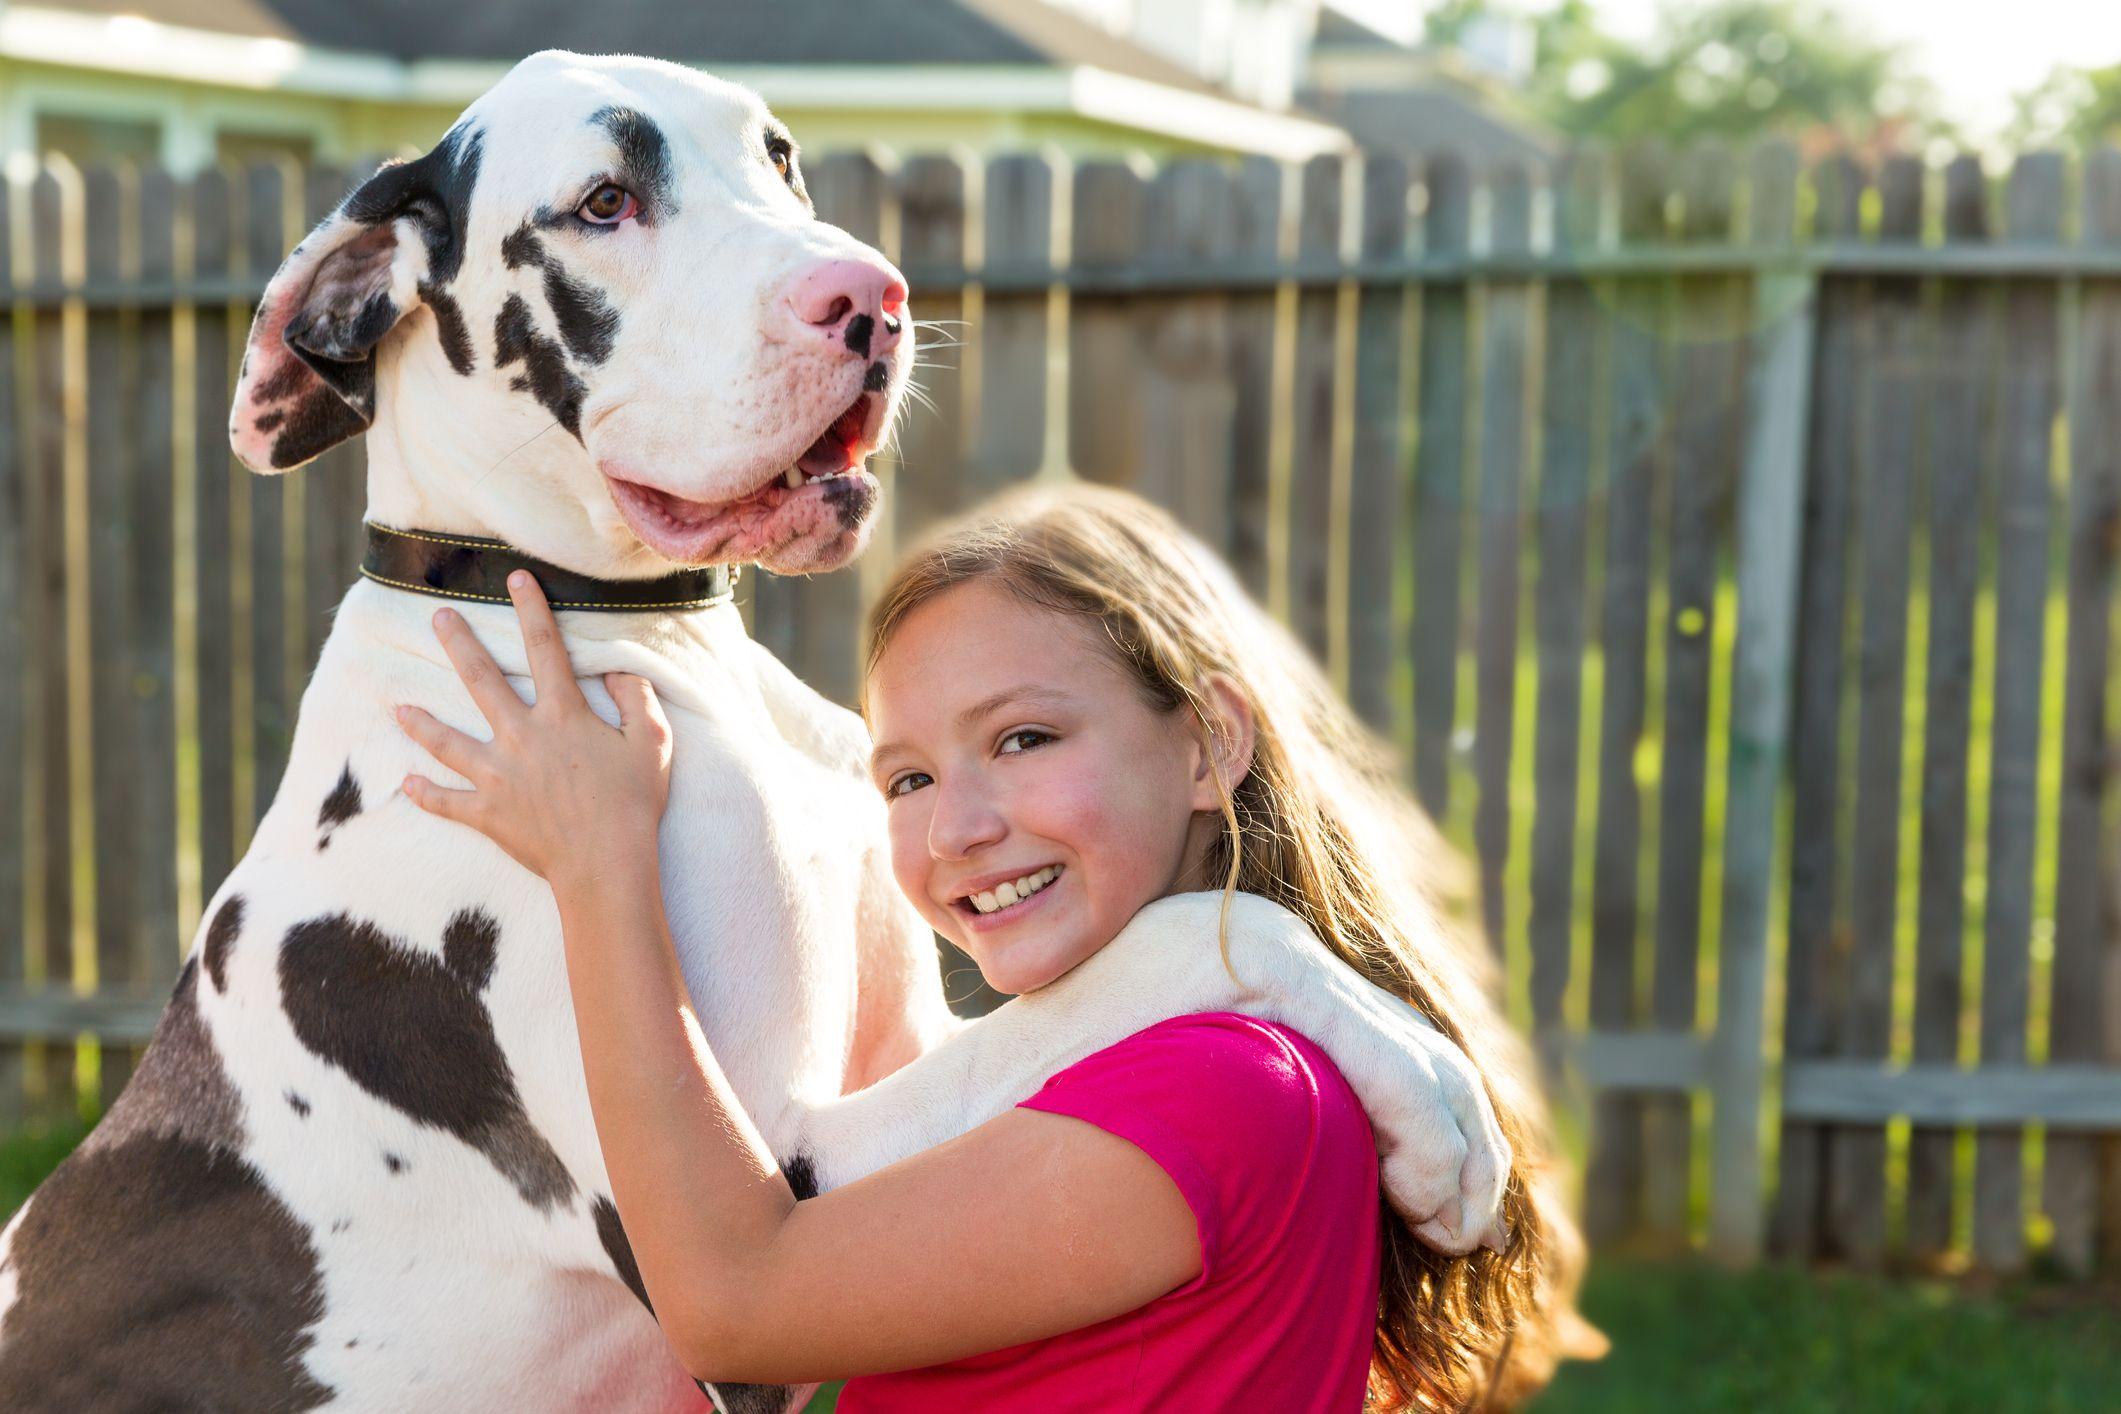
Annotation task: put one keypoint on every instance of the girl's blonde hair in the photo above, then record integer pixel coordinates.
(1320, 826)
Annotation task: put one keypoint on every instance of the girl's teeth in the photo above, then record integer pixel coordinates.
(1016, 891)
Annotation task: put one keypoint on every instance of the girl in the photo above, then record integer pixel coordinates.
(1076, 714)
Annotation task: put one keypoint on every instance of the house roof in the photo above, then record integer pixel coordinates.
(806, 33)
(1339, 30)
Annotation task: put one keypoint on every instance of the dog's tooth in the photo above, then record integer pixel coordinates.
(985, 903)
(1005, 895)
(795, 478)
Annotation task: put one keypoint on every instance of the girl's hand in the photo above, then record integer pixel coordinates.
(557, 788)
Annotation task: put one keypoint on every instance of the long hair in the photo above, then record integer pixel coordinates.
(1320, 826)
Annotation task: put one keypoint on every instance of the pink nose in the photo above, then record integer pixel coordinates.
(858, 303)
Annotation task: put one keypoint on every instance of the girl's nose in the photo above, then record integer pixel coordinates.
(964, 822)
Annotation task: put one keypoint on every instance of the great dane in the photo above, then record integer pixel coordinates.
(356, 1167)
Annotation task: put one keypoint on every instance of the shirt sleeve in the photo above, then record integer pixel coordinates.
(1230, 1107)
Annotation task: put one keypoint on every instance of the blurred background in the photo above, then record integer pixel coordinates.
(1686, 431)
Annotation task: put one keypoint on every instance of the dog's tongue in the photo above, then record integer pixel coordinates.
(833, 451)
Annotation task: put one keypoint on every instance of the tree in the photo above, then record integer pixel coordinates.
(2073, 108)
(1728, 69)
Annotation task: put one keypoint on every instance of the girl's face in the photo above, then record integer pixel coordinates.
(1036, 800)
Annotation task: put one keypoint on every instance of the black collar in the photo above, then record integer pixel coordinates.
(468, 567)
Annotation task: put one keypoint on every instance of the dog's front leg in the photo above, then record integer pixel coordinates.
(1444, 1158)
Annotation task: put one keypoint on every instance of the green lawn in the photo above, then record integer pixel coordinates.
(1691, 1338)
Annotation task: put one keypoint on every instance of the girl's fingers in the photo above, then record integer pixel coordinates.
(550, 668)
(460, 753)
(638, 705)
(497, 701)
(457, 805)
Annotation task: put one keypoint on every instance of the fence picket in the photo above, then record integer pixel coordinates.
(930, 458)
(270, 509)
(218, 343)
(1187, 412)
(1811, 992)
(2082, 1013)
(1104, 403)
(1255, 235)
(1961, 353)
(1570, 385)
(1638, 452)
(2029, 402)
(1440, 501)
(1505, 346)
(1017, 234)
(1370, 580)
(16, 684)
(1303, 518)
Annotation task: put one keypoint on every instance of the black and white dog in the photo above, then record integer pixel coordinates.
(357, 1166)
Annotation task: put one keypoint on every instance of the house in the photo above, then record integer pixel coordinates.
(192, 82)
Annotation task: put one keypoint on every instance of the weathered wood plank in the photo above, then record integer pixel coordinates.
(1014, 413)
(1638, 454)
(1505, 346)
(151, 811)
(925, 485)
(57, 235)
(2030, 396)
(1186, 406)
(1574, 334)
(1815, 727)
(1960, 359)
(1642, 1062)
(1709, 365)
(1376, 503)
(2082, 1016)
(2062, 1096)
(17, 413)
(1889, 364)
(214, 215)
(115, 526)
(1770, 515)
(1440, 499)
(1304, 518)
(1255, 236)
(1104, 407)
(274, 581)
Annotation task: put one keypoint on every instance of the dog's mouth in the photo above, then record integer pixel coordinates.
(812, 515)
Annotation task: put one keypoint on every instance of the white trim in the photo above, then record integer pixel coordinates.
(1202, 118)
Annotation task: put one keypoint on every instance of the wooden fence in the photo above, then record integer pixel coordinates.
(1729, 548)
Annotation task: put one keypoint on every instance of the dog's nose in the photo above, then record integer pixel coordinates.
(859, 303)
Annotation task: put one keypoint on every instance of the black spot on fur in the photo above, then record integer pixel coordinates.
(852, 497)
(393, 1163)
(155, 1268)
(266, 422)
(612, 1234)
(644, 159)
(545, 375)
(435, 190)
(299, 1105)
(859, 331)
(587, 321)
(221, 937)
(877, 378)
(801, 1174)
(327, 416)
(412, 1030)
(341, 805)
(521, 247)
(160, 1273)
(450, 328)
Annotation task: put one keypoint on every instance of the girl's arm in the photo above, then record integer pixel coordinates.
(1029, 1226)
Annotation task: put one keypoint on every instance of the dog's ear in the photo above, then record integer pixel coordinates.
(309, 371)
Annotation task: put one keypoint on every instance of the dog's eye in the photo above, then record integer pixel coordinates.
(781, 153)
(608, 205)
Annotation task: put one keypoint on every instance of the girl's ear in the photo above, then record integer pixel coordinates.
(1232, 732)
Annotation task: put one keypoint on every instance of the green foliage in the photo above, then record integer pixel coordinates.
(28, 1154)
(1728, 70)
(2073, 108)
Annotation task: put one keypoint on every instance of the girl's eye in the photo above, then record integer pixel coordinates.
(1024, 739)
(902, 785)
(608, 205)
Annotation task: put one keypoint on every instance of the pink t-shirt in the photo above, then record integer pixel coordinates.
(1274, 1155)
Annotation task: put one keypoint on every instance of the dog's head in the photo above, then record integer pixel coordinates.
(616, 255)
